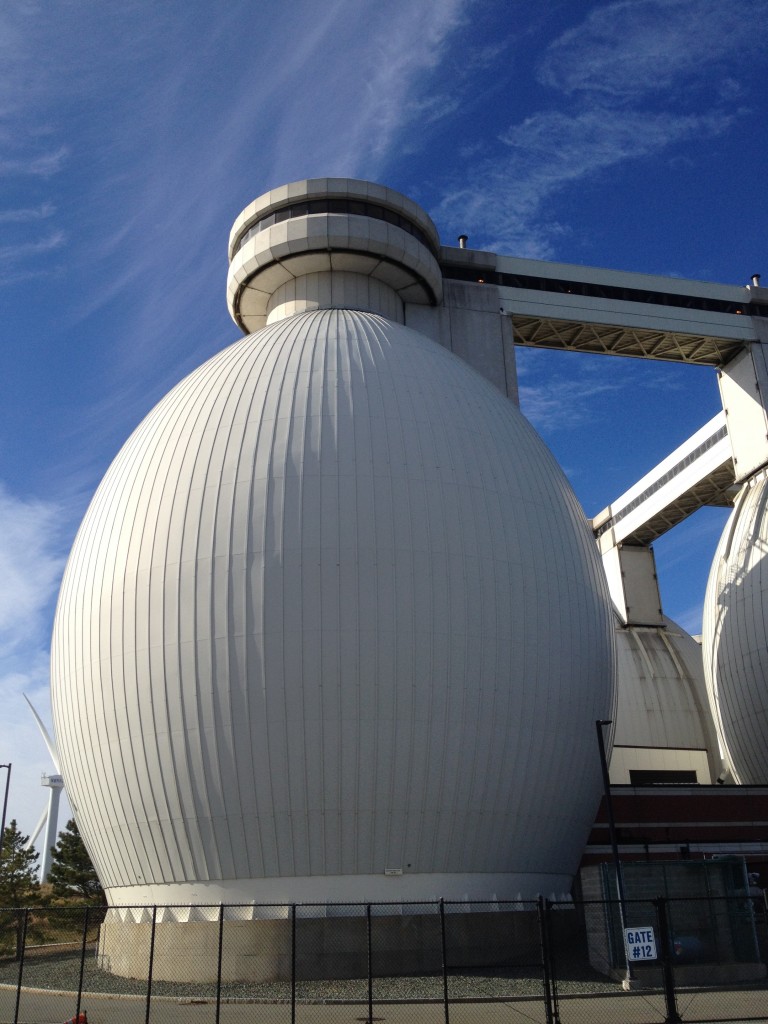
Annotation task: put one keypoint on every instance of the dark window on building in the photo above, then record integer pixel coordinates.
(357, 207)
(639, 777)
(551, 284)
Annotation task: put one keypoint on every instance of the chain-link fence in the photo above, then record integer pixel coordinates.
(640, 962)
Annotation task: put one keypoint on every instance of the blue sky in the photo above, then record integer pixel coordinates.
(628, 135)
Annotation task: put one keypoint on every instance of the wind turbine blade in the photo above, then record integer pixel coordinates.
(38, 830)
(46, 738)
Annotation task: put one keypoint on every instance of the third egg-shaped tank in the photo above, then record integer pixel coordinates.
(735, 635)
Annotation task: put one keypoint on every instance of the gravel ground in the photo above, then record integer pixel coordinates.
(61, 972)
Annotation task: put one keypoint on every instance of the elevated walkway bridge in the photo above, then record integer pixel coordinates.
(699, 472)
(608, 312)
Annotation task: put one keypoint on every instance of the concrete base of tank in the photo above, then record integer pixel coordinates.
(325, 947)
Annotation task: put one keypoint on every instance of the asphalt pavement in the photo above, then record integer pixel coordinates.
(41, 1007)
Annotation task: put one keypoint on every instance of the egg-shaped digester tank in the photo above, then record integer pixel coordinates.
(334, 626)
(735, 635)
(664, 726)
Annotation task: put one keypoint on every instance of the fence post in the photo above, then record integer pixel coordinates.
(546, 960)
(673, 1017)
(218, 963)
(293, 963)
(151, 964)
(444, 958)
(370, 963)
(83, 945)
(23, 937)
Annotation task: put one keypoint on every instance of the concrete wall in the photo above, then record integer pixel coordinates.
(334, 947)
(470, 324)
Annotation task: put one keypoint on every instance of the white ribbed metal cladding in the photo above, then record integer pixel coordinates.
(735, 635)
(334, 609)
(662, 713)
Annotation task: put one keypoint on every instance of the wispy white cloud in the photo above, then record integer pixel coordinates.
(329, 100)
(41, 165)
(26, 216)
(366, 75)
(28, 148)
(562, 402)
(484, 56)
(561, 391)
(430, 109)
(636, 47)
(551, 150)
(573, 146)
(30, 568)
(620, 74)
(23, 250)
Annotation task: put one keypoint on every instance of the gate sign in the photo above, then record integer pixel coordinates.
(640, 943)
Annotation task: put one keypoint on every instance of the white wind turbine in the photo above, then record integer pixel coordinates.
(50, 815)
